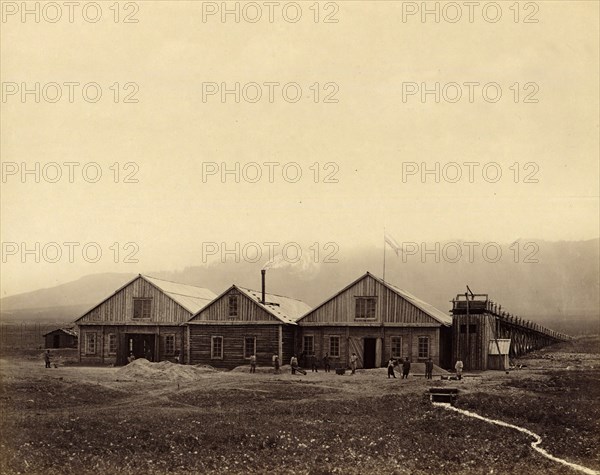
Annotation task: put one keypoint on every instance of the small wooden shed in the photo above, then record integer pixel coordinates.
(61, 338)
(498, 354)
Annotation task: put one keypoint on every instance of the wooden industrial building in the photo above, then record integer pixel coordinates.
(377, 321)
(61, 338)
(240, 323)
(162, 320)
(144, 318)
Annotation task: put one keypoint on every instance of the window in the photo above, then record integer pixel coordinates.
(112, 344)
(142, 308)
(170, 345)
(233, 306)
(463, 329)
(365, 307)
(308, 345)
(90, 343)
(334, 346)
(249, 346)
(472, 328)
(396, 347)
(216, 347)
(423, 347)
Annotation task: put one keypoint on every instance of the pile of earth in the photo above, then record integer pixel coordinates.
(143, 369)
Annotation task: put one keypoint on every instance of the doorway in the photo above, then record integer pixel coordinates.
(141, 345)
(55, 341)
(370, 346)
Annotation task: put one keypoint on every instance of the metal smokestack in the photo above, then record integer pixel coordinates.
(263, 273)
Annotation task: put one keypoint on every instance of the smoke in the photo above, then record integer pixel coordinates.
(305, 264)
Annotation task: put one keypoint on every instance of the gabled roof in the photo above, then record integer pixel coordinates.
(284, 309)
(68, 331)
(429, 309)
(190, 297)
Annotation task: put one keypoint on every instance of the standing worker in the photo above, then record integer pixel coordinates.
(253, 364)
(429, 369)
(405, 368)
(459, 368)
(47, 358)
(326, 364)
(353, 360)
(314, 364)
(294, 364)
(391, 364)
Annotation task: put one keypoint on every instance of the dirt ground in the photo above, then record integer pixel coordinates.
(156, 418)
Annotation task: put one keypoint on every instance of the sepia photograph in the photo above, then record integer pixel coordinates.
(309, 237)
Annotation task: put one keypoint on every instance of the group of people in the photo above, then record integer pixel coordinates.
(393, 362)
(295, 366)
(325, 361)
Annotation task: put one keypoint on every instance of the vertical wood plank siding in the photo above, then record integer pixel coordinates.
(248, 311)
(472, 348)
(391, 308)
(119, 307)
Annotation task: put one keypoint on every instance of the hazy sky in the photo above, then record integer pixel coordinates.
(374, 140)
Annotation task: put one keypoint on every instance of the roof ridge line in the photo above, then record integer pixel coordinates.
(187, 295)
(270, 293)
(173, 282)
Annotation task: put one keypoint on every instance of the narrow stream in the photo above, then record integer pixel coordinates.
(534, 444)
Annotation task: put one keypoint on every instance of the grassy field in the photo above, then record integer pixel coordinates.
(80, 420)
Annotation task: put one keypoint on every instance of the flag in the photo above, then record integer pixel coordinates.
(393, 244)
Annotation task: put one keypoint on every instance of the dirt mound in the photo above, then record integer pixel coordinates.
(144, 369)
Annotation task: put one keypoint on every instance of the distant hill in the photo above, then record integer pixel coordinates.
(75, 295)
(561, 289)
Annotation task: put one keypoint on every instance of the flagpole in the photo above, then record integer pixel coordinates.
(384, 254)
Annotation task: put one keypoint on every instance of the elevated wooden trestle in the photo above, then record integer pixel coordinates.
(480, 324)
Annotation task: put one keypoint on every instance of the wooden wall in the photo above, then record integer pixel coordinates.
(102, 332)
(289, 336)
(267, 344)
(390, 308)
(248, 310)
(119, 307)
(472, 346)
(64, 340)
(352, 337)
